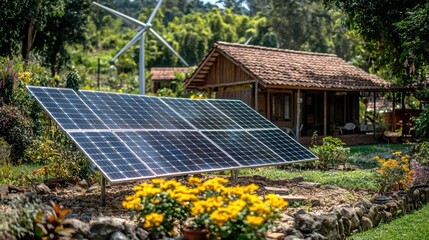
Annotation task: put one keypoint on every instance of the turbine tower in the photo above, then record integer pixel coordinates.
(143, 28)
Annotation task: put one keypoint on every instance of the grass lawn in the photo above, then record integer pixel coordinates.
(362, 156)
(347, 179)
(409, 227)
(15, 175)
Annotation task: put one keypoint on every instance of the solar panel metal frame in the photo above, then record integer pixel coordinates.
(201, 131)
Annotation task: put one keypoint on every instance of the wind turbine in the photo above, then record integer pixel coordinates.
(143, 28)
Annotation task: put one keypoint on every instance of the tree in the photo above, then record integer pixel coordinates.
(394, 33)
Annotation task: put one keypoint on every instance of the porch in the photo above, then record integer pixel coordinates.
(349, 139)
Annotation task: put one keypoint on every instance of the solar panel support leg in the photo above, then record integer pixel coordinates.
(103, 192)
(234, 175)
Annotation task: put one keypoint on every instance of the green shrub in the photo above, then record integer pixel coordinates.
(4, 152)
(422, 123)
(73, 80)
(17, 219)
(420, 152)
(16, 129)
(8, 77)
(331, 153)
(58, 152)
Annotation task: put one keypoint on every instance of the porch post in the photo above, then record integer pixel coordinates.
(256, 96)
(403, 113)
(325, 113)
(393, 112)
(298, 114)
(375, 115)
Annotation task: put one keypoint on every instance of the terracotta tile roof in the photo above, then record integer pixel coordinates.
(166, 73)
(272, 66)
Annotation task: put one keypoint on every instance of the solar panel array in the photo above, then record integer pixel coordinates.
(132, 137)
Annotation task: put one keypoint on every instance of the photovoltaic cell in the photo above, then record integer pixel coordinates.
(174, 152)
(283, 145)
(65, 106)
(125, 111)
(200, 115)
(111, 156)
(242, 114)
(244, 148)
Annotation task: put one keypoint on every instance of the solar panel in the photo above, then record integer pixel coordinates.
(283, 145)
(242, 114)
(244, 148)
(125, 111)
(174, 152)
(112, 157)
(199, 115)
(65, 107)
(132, 137)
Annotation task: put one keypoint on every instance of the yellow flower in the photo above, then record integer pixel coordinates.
(398, 153)
(254, 220)
(194, 181)
(153, 220)
(158, 181)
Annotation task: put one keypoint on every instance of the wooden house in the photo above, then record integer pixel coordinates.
(293, 89)
(164, 77)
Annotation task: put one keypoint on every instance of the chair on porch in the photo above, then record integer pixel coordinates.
(348, 127)
(292, 131)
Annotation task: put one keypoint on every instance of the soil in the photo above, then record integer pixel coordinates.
(314, 198)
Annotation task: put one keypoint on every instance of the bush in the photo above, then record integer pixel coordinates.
(331, 153)
(393, 170)
(58, 152)
(422, 123)
(16, 129)
(17, 219)
(420, 152)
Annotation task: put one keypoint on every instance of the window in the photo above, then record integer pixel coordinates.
(281, 107)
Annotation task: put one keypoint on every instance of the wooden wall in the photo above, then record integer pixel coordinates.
(241, 92)
(224, 71)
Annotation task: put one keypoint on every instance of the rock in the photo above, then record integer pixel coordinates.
(298, 179)
(355, 223)
(75, 189)
(292, 199)
(359, 212)
(81, 229)
(94, 188)
(42, 189)
(315, 236)
(328, 187)
(366, 203)
(315, 202)
(4, 190)
(83, 184)
(279, 191)
(301, 211)
(341, 233)
(347, 212)
(102, 227)
(346, 224)
(309, 185)
(306, 223)
(260, 178)
(329, 225)
(386, 216)
(273, 235)
(293, 233)
(281, 181)
(141, 234)
(118, 236)
(286, 217)
(366, 224)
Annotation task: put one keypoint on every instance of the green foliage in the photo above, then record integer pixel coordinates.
(16, 219)
(422, 123)
(8, 77)
(73, 80)
(58, 152)
(362, 156)
(50, 223)
(331, 153)
(409, 227)
(16, 129)
(19, 175)
(4, 152)
(420, 152)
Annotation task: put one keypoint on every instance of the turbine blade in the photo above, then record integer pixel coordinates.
(167, 45)
(121, 15)
(129, 44)
(152, 16)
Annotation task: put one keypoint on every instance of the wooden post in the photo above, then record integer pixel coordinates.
(393, 112)
(103, 192)
(325, 113)
(298, 114)
(403, 113)
(375, 114)
(256, 96)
